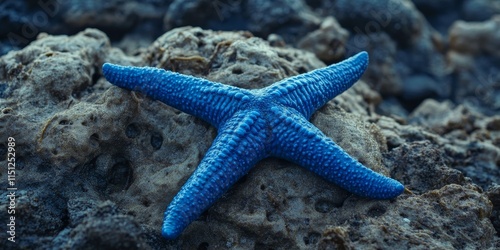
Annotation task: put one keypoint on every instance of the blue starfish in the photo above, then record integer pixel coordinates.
(253, 125)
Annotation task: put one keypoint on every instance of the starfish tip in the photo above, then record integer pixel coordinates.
(106, 67)
(399, 189)
(170, 232)
(363, 54)
(396, 189)
(363, 58)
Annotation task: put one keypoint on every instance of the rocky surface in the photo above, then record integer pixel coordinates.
(97, 165)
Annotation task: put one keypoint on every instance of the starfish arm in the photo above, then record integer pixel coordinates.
(298, 141)
(238, 146)
(308, 92)
(213, 102)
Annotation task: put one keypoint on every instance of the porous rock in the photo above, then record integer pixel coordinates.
(73, 62)
(91, 142)
(104, 143)
(419, 221)
(228, 57)
(423, 166)
(469, 139)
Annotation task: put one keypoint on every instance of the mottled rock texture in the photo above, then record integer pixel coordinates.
(104, 143)
(97, 165)
(474, 58)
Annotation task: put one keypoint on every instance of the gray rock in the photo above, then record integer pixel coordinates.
(98, 164)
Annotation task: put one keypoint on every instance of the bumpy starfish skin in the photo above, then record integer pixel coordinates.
(255, 124)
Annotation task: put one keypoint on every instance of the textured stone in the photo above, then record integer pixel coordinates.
(327, 42)
(474, 38)
(399, 19)
(227, 57)
(382, 73)
(103, 226)
(95, 138)
(123, 147)
(267, 17)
